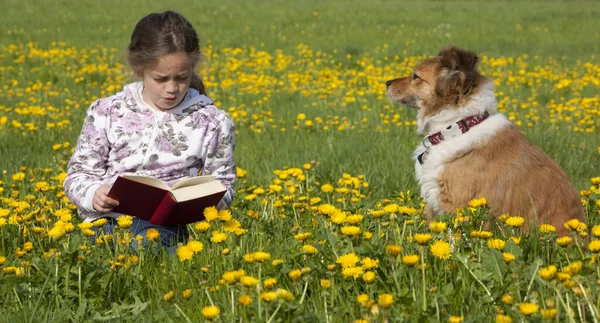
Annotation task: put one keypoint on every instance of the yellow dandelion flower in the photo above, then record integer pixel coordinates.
(422, 238)
(352, 272)
(309, 249)
(368, 277)
(2, 260)
(18, 177)
(440, 249)
(338, 217)
(210, 312)
(481, 234)
(184, 253)
(516, 240)
(348, 260)
(478, 202)
(547, 228)
(385, 300)
(268, 296)
(354, 219)
(350, 230)
(125, 221)
(528, 308)
(573, 268)
(573, 224)
(261, 256)
(325, 283)
(549, 313)
(410, 260)
(514, 221)
(302, 236)
(455, 319)
(295, 274)
(230, 277)
(284, 294)
(501, 318)
(187, 294)
(245, 300)
(211, 213)
(369, 263)
(57, 232)
(507, 299)
(548, 273)
(508, 257)
(270, 282)
(152, 234)
(99, 222)
(195, 246)
(248, 281)
(596, 230)
(437, 227)
(564, 241)
(364, 300)
(594, 246)
(496, 244)
(231, 226)
(327, 188)
(202, 226)
(218, 236)
(393, 250)
(169, 296)
(224, 215)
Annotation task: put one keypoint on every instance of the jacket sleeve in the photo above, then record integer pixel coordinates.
(87, 166)
(219, 159)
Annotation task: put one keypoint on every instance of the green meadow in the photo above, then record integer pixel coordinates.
(304, 82)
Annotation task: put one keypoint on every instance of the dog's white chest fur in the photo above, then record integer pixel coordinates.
(428, 173)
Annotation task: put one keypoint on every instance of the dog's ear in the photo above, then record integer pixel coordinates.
(457, 59)
(458, 75)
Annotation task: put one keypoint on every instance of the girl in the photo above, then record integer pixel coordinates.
(163, 126)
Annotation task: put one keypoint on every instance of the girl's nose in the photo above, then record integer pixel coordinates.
(172, 87)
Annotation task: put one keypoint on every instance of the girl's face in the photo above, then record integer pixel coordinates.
(166, 83)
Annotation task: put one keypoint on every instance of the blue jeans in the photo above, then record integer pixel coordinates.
(168, 236)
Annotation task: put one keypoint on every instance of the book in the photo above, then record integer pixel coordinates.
(153, 200)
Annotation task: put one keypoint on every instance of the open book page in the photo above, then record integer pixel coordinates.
(148, 181)
(197, 191)
(190, 181)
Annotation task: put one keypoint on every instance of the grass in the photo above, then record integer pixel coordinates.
(304, 83)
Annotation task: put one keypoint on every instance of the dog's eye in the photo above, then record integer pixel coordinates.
(415, 76)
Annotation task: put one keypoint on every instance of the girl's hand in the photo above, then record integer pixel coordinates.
(101, 201)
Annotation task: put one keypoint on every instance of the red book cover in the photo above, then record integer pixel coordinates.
(136, 199)
(159, 205)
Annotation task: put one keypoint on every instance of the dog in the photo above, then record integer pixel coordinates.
(471, 151)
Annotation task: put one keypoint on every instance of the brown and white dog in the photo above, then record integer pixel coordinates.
(471, 151)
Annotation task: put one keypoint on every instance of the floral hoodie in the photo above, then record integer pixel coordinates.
(123, 135)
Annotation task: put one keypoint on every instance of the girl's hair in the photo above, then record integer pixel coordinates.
(160, 34)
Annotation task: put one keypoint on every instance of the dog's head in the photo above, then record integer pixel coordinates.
(440, 82)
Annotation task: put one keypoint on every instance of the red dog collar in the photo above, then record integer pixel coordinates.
(453, 130)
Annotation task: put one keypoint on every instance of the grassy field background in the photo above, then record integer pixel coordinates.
(379, 30)
(305, 84)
